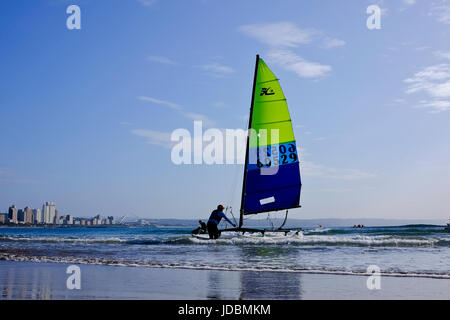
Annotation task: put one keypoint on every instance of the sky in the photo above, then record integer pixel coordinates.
(86, 115)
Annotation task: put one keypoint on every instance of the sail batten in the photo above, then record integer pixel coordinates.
(272, 122)
(268, 81)
(272, 101)
(272, 174)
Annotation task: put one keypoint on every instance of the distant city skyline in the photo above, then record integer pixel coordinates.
(370, 108)
(49, 216)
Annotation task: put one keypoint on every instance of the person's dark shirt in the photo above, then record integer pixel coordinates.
(217, 215)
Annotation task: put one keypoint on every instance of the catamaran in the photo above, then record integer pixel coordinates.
(271, 180)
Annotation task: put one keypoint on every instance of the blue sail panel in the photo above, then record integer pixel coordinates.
(270, 192)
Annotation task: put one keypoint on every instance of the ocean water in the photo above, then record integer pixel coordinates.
(414, 250)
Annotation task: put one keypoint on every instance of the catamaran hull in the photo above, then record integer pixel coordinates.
(252, 233)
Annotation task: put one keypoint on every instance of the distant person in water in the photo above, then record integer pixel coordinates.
(214, 220)
(200, 230)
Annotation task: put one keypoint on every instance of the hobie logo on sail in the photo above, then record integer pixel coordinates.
(266, 92)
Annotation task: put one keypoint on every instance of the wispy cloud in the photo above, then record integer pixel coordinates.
(157, 138)
(409, 2)
(171, 105)
(441, 11)
(147, 3)
(436, 105)
(333, 43)
(442, 54)
(180, 109)
(216, 70)
(396, 102)
(432, 79)
(435, 82)
(292, 62)
(281, 34)
(282, 37)
(199, 117)
(160, 59)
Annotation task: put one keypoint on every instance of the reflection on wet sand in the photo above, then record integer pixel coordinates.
(16, 288)
(222, 285)
(246, 285)
(48, 281)
(260, 285)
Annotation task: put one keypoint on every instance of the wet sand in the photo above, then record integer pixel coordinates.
(34, 280)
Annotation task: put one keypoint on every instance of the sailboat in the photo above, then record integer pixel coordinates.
(271, 180)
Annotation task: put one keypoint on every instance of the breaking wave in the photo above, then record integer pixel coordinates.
(311, 240)
(248, 239)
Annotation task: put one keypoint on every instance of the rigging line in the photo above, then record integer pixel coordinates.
(270, 220)
(284, 222)
(233, 183)
(231, 212)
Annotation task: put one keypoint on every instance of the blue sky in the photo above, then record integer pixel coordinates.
(86, 114)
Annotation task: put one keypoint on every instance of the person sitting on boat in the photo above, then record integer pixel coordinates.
(214, 220)
(201, 229)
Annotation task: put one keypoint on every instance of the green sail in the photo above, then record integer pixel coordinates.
(270, 110)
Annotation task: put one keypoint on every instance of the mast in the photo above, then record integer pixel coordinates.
(244, 182)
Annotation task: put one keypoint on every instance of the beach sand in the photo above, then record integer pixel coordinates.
(37, 280)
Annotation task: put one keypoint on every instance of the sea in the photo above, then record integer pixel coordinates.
(402, 251)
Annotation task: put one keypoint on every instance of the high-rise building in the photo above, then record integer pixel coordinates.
(21, 216)
(12, 214)
(67, 219)
(49, 212)
(56, 221)
(28, 218)
(3, 218)
(38, 219)
(97, 220)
